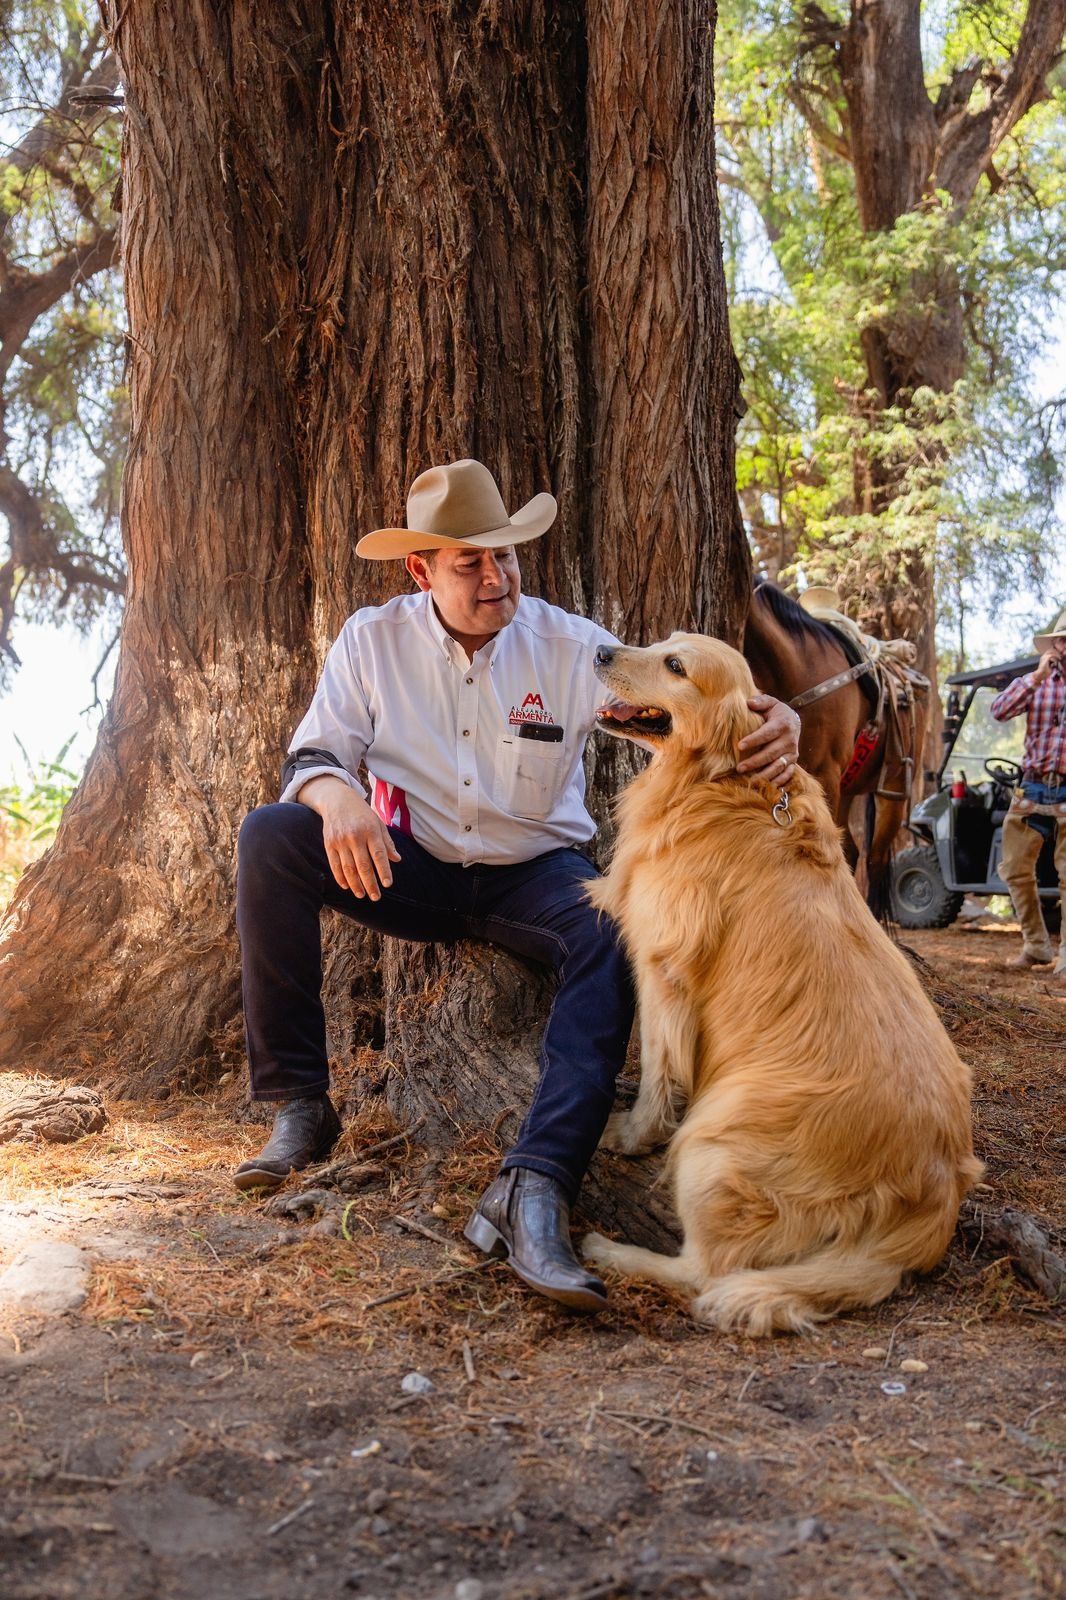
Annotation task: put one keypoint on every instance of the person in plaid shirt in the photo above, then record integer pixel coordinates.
(1038, 809)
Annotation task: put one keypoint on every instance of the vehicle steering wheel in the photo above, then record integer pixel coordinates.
(1008, 772)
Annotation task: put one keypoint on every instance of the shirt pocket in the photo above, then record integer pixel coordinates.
(529, 776)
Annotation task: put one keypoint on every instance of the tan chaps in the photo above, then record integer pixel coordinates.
(1021, 848)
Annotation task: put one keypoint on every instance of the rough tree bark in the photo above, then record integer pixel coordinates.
(359, 239)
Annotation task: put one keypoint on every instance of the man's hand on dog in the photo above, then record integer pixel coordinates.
(358, 844)
(772, 751)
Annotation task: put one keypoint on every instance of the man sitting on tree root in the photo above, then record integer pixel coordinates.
(471, 705)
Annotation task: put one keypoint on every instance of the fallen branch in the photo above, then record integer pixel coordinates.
(429, 1283)
(283, 1522)
(414, 1226)
(1019, 1236)
(930, 1518)
(358, 1169)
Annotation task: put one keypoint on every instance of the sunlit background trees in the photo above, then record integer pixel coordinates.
(896, 263)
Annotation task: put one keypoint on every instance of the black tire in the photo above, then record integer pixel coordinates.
(920, 898)
(1052, 910)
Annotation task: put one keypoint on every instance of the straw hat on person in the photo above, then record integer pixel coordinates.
(458, 507)
(1043, 641)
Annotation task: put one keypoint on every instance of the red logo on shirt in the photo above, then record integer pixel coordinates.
(531, 710)
(390, 803)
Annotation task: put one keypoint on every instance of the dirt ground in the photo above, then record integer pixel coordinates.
(225, 1418)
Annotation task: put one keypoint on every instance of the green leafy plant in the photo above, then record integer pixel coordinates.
(30, 813)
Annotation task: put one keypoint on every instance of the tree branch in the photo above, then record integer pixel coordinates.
(969, 141)
(36, 553)
(48, 136)
(954, 96)
(820, 128)
(28, 295)
(818, 29)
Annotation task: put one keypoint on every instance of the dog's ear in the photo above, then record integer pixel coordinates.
(729, 720)
(742, 720)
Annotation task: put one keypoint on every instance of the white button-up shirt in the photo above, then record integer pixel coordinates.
(441, 734)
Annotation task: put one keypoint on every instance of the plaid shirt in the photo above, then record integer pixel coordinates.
(1045, 729)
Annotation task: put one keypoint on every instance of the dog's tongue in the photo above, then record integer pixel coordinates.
(618, 710)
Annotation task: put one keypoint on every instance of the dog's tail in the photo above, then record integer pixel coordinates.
(793, 1299)
(857, 1268)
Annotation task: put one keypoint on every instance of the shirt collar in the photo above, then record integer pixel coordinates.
(450, 648)
(438, 632)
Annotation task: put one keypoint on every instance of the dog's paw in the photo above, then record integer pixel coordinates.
(597, 1251)
(614, 1134)
(622, 1135)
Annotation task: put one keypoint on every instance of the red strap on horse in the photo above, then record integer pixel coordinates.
(865, 745)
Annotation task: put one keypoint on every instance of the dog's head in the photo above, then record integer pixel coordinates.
(689, 693)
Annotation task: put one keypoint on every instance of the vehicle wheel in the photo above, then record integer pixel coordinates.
(1052, 910)
(920, 898)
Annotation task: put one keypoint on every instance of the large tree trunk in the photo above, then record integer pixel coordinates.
(119, 950)
(358, 240)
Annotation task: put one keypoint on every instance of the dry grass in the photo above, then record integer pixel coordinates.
(304, 1288)
(954, 1491)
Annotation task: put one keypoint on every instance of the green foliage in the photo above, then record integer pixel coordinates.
(63, 405)
(973, 472)
(30, 813)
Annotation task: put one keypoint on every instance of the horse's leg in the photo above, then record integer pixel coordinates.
(887, 820)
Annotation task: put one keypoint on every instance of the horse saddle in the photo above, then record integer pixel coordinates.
(886, 671)
(885, 667)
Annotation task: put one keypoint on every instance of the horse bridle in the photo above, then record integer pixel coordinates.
(827, 685)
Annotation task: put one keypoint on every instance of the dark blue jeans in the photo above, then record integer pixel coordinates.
(537, 909)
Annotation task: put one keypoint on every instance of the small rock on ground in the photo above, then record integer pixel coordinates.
(417, 1383)
(47, 1276)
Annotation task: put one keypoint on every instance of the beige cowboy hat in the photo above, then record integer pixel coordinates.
(1041, 641)
(458, 507)
(817, 598)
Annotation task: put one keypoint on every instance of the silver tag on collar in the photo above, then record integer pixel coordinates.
(781, 814)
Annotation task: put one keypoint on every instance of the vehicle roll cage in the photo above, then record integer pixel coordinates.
(980, 678)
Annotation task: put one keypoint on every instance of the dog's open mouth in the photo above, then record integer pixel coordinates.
(633, 721)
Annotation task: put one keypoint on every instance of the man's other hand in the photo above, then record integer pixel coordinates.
(773, 749)
(358, 844)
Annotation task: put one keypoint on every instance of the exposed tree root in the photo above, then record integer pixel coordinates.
(1022, 1238)
(58, 1112)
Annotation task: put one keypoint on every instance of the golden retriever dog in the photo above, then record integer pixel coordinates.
(818, 1114)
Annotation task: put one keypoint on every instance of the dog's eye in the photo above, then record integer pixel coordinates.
(674, 665)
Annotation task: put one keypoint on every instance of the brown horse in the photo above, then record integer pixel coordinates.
(790, 652)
